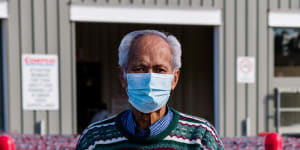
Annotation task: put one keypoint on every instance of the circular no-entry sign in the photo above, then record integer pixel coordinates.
(246, 66)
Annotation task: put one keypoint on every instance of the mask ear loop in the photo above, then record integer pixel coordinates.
(125, 78)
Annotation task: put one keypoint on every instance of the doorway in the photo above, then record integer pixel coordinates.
(98, 84)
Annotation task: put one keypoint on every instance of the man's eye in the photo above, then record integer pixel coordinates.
(139, 69)
(159, 70)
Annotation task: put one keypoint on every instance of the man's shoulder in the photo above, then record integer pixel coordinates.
(189, 119)
(98, 126)
(102, 123)
(101, 132)
(205, 130)
(199, 124)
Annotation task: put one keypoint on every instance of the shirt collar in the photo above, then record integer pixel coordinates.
(156, 128)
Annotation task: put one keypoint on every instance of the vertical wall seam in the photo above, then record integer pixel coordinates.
(268, 65)
(257, 66)
(46, 51)
(224, 66)
(59, 65)
(20, 63)
(246, 52)
(72, 75)
(235, 56)
(33, 45)
(46, 26)
(290, 4)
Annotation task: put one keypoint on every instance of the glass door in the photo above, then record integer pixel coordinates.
(284, 79)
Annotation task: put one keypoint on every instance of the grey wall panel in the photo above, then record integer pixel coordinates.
(89, 1)
(150, 2)
(78, 1)
(251, 46)
(271, 86)
(184, 3)
(33, 27)
(173, 3)
(39, 44)
(295, 4)
(73, 77)
(66, 72)
(13, 69)
(221, 81)
(229, 69)
(126, 2)
(240, 43)
(285, 4)
(196, 3)
(138, 2)
(218, 4)
(26, 48)
(52, 48)
(113, 2)
(262, 74)
(208, 3)
(161, 3)
(274, 4)
(101, 2)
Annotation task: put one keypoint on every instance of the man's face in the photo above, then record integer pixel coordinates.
(150, 54)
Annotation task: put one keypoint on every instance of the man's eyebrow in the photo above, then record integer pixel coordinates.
(139, 65)
(160, 65)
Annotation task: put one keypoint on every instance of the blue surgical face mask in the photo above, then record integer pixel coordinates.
(148, 92)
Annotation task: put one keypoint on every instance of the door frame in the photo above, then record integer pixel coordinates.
(206, 17)
(278, 19)
(3, 67)
(3, 64)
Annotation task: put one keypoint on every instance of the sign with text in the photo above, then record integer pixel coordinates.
(246, 70)
(40, 82)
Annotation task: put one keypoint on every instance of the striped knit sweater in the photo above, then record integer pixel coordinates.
(184, 132)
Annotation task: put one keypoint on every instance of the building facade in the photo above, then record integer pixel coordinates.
(84, 34)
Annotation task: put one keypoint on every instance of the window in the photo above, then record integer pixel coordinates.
(287, 52)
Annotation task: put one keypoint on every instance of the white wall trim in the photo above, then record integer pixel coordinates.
(284, 19)
(3, 9)
(89, 13)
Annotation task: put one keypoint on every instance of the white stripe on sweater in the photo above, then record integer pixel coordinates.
(198, 124)
(186, 141)
(113, 140)
(92, 127)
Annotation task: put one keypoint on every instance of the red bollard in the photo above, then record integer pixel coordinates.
(6, 143)
(273, 141)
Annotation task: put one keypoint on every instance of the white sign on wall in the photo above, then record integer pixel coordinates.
(246, 70)
(40, 82)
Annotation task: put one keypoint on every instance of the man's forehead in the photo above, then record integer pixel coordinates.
(153, 38)
(144, 45)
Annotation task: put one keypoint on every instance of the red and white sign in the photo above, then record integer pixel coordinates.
(246, 70)
(40, 82)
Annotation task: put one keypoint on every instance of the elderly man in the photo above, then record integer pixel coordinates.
(149, 70)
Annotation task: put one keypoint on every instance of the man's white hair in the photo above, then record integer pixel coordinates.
(129, 38)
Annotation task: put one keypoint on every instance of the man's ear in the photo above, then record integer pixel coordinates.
(175, 79)
(122, 78)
